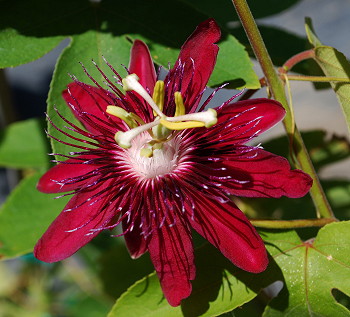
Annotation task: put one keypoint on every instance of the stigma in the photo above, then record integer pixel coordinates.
(162, 127)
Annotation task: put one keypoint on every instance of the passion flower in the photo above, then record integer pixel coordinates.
(155, 161)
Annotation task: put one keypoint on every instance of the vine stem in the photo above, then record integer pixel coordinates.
(291, 224)
(318, 79)
(276, 87)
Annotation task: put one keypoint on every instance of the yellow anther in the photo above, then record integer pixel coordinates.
(158, 95)
(181, 125)
(208, 117)
(136, 118)
(179, 102)
(123, 115)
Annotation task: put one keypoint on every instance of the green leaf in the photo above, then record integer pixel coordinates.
(311, 270)
(232, 66)
(23, 31)
(13, 44)
(311, 34)
(25, 216)
(24, 145)
(144, 298)
(333, 64)
(218, 288)
(83, 48)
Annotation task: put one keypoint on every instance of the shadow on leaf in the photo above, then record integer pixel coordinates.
(221, 284)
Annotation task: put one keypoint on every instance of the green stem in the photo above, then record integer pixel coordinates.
(323, 208)
(291, 224)
(318, 79)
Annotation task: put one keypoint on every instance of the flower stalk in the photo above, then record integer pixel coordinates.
(276, 87)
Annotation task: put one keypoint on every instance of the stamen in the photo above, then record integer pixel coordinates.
(180, 107)
(160, 131)
(193, 120)
(122, 114)
(158, 94)
(124, 138)
(181, 125)
(131, 82)
(127, 117)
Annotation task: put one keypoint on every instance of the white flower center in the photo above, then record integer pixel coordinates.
(163, 160)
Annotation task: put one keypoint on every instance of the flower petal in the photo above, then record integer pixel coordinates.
(259, 173)
(135, 242)
(141, 64)
(171, 252)
(198, 55)
(227, 228)
(239, 122)
(88, 102)
(79, 216)
(55, 180)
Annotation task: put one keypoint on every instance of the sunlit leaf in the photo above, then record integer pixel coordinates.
(27, 29)
(311, 34)
(333, 64)
(25, 216)
(24, 145)
(311, 270)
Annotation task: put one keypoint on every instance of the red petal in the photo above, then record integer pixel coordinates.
(141, 64)
(226, 227)
(81, 97)
(198, 54)
(171, 252)
(239, 122)
(135, 242)
(263, 174)
(57, 244)
(51, 181)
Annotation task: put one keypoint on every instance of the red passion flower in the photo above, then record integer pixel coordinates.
(155, 161)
